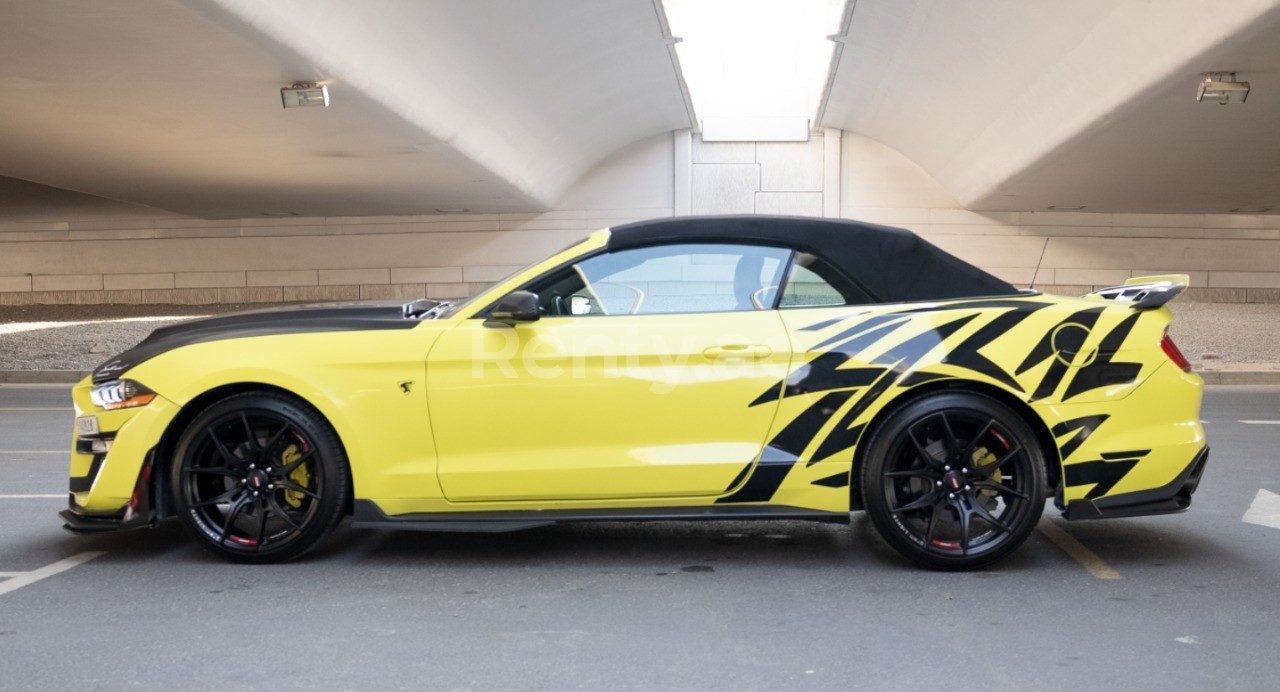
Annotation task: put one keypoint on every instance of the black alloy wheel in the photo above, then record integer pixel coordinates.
(954, 481)
(259, 477)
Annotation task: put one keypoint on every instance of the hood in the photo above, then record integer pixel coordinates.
(291, 319)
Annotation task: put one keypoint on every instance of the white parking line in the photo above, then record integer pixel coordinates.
(17, 580)
(1087, 558)
(1264, 510)
(1261, 422)
(34, 408)
(9, 452)
(63, 496)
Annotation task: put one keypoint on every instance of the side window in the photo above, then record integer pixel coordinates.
(813, 283)
(666, 279)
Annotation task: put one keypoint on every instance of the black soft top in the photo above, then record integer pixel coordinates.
(891, 264)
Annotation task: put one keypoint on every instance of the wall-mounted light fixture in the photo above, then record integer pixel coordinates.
(1222, 88)
(303, 94)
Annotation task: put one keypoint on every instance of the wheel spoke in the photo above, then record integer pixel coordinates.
(248, 429)
(293, 465)
(290, 485)
(953, 445)
(280, 512)
(986, 516)
(224, 497)
(219, 470)
(1001, 488)
(938, 508)
(965, 513)
(227, 457)
(912, 473)
(262, 527)
(276, 437)
(236, 507)
(919, 502)
(924, 454)
(991, 468)
(967, 457)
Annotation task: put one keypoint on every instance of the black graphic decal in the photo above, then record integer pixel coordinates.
(885, 324)
(800, 432)
(980, 304)
(820, 375)
(1085, 427)
(966, 355)
(840, 480)
(1104, 474)
(1044, 349)
(1103, 372)
(839, 439)
(900, 358)
(773, 466)
(797, 434)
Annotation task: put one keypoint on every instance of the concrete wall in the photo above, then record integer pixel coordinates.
(1230, 257)
(194, 261)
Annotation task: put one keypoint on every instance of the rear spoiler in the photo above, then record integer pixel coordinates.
(1145, 292)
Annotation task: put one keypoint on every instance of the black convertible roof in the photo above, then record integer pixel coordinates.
(891, 264)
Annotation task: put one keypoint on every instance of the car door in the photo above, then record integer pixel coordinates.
(637, 381)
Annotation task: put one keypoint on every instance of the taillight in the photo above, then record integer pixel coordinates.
(1171, 349)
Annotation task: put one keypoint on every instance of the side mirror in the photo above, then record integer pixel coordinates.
(516, 306)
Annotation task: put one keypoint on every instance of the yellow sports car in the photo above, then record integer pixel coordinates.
(690, 368)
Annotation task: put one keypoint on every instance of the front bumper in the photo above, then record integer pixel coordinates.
(1170, 498)
(138, 513)
(106, 467)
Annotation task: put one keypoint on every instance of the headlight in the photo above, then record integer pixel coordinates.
(120, 394)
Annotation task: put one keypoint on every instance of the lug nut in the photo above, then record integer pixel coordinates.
(944, 468)
(938, 483)
(271, 486)
(251, 466)
(968, 487)
(964, 470)
(255, 493)
(951, 495)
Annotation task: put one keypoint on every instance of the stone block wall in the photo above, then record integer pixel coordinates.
(1232, 258)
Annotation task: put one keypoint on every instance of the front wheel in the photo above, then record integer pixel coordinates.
(954, 481)
(259, 477)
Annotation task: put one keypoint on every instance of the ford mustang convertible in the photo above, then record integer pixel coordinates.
(680, 369)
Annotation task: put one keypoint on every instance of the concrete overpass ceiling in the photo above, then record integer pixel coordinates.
(490, 106)
(1026, 104)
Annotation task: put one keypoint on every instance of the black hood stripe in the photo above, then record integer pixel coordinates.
(294, 319)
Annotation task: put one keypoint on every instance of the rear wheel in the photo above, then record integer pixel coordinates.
(259, 477)
(954, 481)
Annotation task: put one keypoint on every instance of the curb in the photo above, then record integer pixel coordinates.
(1240, 376)
(1224, 377)
(42, 376)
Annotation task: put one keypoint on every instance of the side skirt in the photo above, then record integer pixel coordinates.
(368, 515)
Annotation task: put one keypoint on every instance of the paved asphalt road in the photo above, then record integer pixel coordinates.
(740, 606)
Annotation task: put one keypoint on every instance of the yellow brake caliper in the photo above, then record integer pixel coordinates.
(984, 457)
(299, 475)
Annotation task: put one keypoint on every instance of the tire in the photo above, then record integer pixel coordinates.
(954, 481)
(259, 477)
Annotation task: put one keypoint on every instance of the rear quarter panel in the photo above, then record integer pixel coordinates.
(1072, 361)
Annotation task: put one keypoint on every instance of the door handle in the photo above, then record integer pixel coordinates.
(750, 351)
